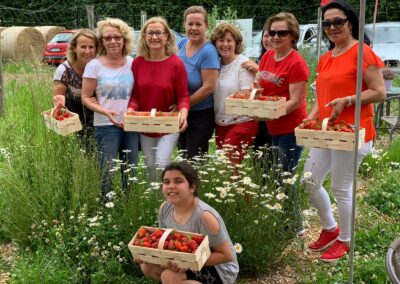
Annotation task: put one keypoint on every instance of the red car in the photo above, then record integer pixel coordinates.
(56, 49)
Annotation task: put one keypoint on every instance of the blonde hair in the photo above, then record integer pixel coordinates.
(71, 53)
(222, 29)
(126, 31)
(170, 46)
(196, 10)
(291, 21)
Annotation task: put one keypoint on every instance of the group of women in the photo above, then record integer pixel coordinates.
(195, 80)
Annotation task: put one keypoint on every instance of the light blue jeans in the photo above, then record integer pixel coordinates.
(114, 143)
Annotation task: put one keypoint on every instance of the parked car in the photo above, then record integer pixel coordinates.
(307, 40)
(386, 42)
(56, 49)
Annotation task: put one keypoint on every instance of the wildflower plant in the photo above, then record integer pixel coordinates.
(254, 204)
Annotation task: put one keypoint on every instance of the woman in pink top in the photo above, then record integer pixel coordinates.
(160, 83)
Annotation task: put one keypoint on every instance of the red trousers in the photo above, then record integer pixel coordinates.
(235, 139)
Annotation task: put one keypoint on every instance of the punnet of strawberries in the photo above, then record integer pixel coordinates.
(338, 126)
(61, 114)
(175, 241)
(245, 95)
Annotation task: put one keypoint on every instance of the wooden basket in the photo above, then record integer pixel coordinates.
(160, 256)
(150, 122)
(328, 139)
(62, 127)
(255, 108)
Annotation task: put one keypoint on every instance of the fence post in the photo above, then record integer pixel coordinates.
(143, 18)
(90, 16)
(1, 80)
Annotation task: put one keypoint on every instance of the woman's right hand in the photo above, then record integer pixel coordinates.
(58, 101)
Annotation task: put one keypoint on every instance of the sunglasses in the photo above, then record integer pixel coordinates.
(281, 33)
(337, 23)
(110, 38)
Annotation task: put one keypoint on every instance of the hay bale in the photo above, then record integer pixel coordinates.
(49, 32)
(2, 28)
(22, 43)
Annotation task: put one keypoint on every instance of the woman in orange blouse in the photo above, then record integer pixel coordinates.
(336, 89)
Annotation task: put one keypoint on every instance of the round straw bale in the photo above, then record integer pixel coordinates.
(49, 32)
(22, 43)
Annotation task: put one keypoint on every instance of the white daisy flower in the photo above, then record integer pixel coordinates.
(238, 248)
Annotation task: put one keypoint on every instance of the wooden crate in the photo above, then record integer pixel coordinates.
(328, 139)
(160, 256)
(255, 108)
(143, 121)
(62, 127)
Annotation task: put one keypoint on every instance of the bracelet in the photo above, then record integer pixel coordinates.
(349, 104)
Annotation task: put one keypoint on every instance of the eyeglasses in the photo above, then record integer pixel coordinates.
(337, 23)
(110, 38)
(280, 33)
(153, 33)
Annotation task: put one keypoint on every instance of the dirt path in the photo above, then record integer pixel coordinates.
(7, 257)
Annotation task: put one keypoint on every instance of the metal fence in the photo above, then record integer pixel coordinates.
(76, 16)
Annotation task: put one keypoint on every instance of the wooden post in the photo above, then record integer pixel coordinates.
(1, 81)
(90, 16)
(143, 18)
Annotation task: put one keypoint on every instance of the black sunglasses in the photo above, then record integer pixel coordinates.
(281, 33)
(337, 23)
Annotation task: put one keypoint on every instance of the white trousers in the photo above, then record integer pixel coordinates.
(157, 151)
(320, 163)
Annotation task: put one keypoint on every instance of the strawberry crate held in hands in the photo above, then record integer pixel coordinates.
(158, 246)
(321, 134)
(152, 121)
(255, 105)
(62, 121)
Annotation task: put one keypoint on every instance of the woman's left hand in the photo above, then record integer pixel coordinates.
(337, 107)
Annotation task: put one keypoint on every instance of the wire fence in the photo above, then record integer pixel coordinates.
(60, 14)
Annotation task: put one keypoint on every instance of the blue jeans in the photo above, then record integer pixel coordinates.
(289, 156)
(111, 141)
(289, 151)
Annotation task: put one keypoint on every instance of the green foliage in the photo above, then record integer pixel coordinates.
(42, 267)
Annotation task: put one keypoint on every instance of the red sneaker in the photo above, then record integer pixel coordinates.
(338, 250)
(326, 239)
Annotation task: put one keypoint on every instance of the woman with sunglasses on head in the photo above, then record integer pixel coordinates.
(202, 65)
(68, 80)
(336, 89)
(106, 89)
(160, 83)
